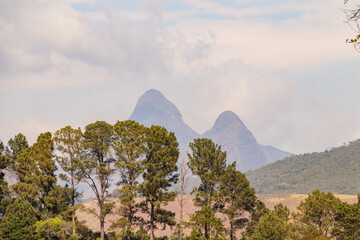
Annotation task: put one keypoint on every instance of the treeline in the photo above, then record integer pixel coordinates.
(333, 170)
(145, 159)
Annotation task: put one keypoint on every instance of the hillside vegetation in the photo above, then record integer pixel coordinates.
(336, 170)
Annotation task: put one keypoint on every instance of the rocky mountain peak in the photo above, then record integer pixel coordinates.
(154, 109)
(227, 119)
(153, 102)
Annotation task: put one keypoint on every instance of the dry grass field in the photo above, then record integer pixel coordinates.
(270, 200)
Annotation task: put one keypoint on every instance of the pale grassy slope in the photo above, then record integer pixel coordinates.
(270, 200)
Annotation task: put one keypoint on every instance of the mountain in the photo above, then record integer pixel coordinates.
(228, 131)
(154, 109)
(240, 144)
(273, 154)
(336, 170)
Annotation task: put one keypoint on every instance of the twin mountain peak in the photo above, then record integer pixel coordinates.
(228, 131)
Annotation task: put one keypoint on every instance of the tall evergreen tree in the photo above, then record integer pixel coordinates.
(160, 173)
(317, 214)
(18, 221)
(129, 147)
(36, 176)
(205, 225)
(97, 167)
(208, 162)
(69, 142)
(4, 188)
(17, 145)
(237, 197)
(274, 225)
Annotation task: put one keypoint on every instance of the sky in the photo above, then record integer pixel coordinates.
(281, 65)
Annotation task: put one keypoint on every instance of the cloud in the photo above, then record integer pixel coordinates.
(206, 57)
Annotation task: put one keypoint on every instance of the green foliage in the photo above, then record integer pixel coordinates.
(129, 148)
(53, 228)
(330, 171)
(17, 145)
(205, 225)
(208, 162)
(237, 197)
(69, 142)
(4, 188)
(347, 225)
(271, 227)
(317, 214)
(159, 174)
(97, 166)
(18, 221)
(256, 214)
(36, 174)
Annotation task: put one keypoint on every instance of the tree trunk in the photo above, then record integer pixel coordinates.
(231, 230)
(102, 223)
(152, 222)
(73, 202)
(181, 207)
(206, 231)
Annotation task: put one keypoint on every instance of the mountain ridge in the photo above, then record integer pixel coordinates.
(336, 170)
(229, 131)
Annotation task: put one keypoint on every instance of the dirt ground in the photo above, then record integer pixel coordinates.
(270, 200)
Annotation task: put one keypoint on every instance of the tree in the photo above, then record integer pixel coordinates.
(184, 179)
(347, 221)
(208, 162)
(69, 142)
(255, 215)
(97, 167)
(53, 228)
(238, 198)
(17, 145)
(4, 188)
(273, 225)
(129, 148)
(18, 221)
(205, 225)
(36, 176)
(352, 17)
(159, 174)
(317, 214)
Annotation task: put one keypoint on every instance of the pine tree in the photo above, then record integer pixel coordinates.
(208, 162)
(36, 176)
(4, 188)
(129, 148)
(97, 167)
(273, 225)
(69, 142)
(317, 214)
(184, 180)
(18, 221)
(17, 145)
(205, 225)
(160, 173)
(237, 197)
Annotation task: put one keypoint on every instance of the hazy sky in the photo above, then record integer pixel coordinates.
(282, 66)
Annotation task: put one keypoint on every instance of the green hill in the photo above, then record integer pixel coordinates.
(336, 170)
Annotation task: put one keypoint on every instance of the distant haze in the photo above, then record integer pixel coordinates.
(228, 131)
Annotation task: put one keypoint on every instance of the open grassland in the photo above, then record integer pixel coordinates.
(270, 200)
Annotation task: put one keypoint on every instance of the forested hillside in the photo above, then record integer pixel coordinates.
(336, 170)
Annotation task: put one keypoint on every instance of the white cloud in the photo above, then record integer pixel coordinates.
(205, 65)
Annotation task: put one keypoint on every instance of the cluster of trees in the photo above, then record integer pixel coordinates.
(320, 216)
(330, 171)
(145, 159)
